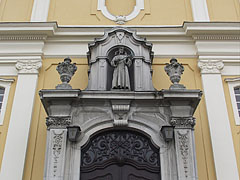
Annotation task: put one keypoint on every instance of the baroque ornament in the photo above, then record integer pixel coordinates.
(28, 66)
(66, 71)
(58, 122)
(183, 122)
(120, 147)
(57, 150)
(184, 150)
(210, 66)
(174, 70)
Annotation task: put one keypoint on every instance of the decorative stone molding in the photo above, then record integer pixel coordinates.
(22, 37)
(183, 143)
(120, 19)
(28, 66)
(183, 122)
(58, 122)
(210, 66)
(216, 37)
(120, 113)
(56, 154)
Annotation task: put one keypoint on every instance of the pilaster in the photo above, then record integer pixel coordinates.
(185, 147)
(40, 10)
(56, 147)
(221, 136)
(20, 120)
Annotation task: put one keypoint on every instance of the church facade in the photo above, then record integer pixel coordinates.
(132, 90)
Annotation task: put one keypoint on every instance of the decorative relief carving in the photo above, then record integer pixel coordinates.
(28, 66)
(120, 112)
(183, 140)
(120, 19)
(58, 122)
(210, 66)
(57, 151)
(120, 146)
(183, 122)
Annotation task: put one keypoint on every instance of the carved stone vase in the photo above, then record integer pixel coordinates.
(66, 71)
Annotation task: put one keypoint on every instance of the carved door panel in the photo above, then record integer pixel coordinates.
(120, 155)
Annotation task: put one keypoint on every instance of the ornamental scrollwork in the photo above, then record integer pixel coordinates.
(28, 66)
(58, 122)
(57, 150)
(120, 147)
(183, 122)
(184, 149)
(210, 66)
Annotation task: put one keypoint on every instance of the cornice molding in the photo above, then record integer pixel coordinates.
(216, 37)
(210, 66)
(22, 37)
(28, 66)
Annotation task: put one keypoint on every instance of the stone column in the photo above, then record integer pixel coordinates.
(20, 120)
(220, 130)
(185, 147)
(56, 147)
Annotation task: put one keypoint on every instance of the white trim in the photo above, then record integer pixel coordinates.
(20, 120)
(232, 83)
(5, 83)
(119, 19)
(200, 10)
(40, 10)
(220, 130)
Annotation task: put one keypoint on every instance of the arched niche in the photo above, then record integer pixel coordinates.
(110, 54)
(100, 53)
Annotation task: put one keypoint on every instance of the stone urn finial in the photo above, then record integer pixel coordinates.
(174, 70)
(66, 71)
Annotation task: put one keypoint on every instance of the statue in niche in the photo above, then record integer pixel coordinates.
(121, 61)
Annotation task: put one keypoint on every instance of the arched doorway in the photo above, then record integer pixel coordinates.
(120, 155)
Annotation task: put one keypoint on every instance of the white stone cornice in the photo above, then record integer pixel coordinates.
(210, 67)
(22, 37)
(28, 66)
(216, 37)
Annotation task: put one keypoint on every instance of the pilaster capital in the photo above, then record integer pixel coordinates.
(28, 66)
(57, 122)
(183, 122)
(210, 66)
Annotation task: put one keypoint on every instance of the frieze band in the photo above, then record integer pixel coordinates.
(58, 122)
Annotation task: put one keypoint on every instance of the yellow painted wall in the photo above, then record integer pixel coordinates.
(4, 127)
(49, 78)
(15, 10)
(156, 12)
(234, 127)
(224, 10)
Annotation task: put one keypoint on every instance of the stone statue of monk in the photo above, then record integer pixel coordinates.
(121, 61)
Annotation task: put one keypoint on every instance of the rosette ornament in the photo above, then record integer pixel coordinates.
(66, 71)
(174, 70)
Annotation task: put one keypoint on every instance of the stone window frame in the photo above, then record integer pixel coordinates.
(6, 84)
(233, 83)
